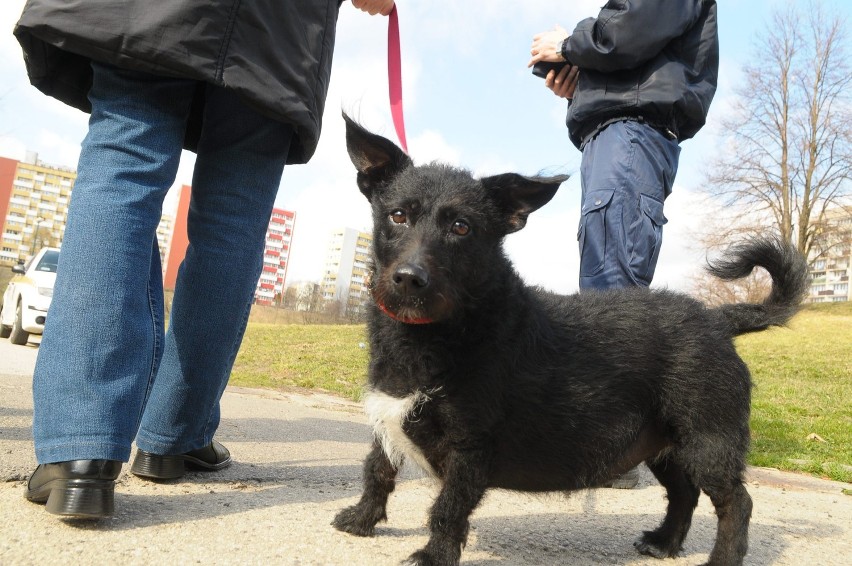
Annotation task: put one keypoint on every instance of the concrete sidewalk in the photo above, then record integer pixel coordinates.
(298, 461)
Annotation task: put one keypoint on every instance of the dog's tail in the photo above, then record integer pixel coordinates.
(789, 272)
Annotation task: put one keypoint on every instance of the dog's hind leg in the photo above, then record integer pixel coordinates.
(465, 479)
(379, 481)
(666, 541)
(733, 509)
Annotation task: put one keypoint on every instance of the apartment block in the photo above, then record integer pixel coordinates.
(346, 270)
(34, 200)
(832, 267)
(165, 229)
(276, 256)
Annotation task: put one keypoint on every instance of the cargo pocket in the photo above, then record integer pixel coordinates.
(592, 232)
(647, 238)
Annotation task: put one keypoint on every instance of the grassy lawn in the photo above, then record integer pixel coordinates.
(802, 376)
(803, 386)
(331, 358)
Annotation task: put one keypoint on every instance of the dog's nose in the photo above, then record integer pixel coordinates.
(411, 278)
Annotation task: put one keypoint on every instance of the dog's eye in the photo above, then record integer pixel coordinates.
(461, 228)
(398, 217)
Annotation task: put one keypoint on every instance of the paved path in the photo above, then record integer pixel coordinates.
(297, 462)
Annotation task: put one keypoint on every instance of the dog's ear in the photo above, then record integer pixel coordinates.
(377, 159)
(518, 196)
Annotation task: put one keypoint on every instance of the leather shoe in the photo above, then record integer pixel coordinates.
(212, 457)
(627, 480)
(80, 489)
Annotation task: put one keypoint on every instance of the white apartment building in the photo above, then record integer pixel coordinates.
(830, 271)
(346, 269)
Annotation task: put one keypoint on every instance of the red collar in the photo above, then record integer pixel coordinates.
(385, 310)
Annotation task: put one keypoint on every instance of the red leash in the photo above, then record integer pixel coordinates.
(395, 78)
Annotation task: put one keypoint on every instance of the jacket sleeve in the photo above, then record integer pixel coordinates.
(626, 33)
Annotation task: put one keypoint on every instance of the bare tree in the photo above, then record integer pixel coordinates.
(290, 298)
(790, 151)
(714, 292)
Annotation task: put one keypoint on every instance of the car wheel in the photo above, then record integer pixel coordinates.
(4, 330)
(18, 335)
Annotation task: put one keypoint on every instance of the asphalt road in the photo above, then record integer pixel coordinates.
(298, 461)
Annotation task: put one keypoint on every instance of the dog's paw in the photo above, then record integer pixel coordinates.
(425, 558)
(650, 544)
(419, 558)
(358, 521)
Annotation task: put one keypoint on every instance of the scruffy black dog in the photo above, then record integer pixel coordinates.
(487, 383)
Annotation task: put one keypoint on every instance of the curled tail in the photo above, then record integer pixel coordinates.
(789, 272)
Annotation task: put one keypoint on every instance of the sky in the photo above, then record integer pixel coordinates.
(469, 100)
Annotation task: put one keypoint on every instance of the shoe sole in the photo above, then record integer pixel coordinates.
(77, 499)
(629, 484)
(154, 466)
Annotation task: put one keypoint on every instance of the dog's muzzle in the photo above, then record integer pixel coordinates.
(410, 279)
(402, 295)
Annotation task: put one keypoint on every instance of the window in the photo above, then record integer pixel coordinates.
(48, 262)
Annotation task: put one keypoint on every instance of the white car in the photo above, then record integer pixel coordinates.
(28, 296)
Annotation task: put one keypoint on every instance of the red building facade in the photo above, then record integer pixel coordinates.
(276, 257)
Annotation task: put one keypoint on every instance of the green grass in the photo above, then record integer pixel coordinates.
(331, 358)
(802, 376)
(803, 386)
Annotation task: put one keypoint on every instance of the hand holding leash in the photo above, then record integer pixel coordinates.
(374, 7)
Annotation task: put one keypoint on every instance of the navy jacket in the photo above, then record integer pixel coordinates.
(656, 60)
(275, 54)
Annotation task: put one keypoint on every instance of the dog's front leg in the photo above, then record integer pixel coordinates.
(379, 482)
(465, 480)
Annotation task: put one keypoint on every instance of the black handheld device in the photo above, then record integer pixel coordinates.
(541, 68)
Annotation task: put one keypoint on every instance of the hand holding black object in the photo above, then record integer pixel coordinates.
(541, 68)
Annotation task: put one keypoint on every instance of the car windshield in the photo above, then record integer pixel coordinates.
(48, 261)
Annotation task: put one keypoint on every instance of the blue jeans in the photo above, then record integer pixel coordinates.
(626, 173)
(107, 373)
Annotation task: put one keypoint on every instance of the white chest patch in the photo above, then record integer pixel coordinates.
(387, 415)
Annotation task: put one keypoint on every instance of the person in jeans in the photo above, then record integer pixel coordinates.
(640, 77)
(241, 84)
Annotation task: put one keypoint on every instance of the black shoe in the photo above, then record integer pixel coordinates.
(81, 489)
(627, 480)
(154, 466)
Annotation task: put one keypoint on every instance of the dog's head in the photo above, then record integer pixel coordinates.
(437, 231)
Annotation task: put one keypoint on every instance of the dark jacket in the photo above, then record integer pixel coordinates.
(657, 60)
(276, 54)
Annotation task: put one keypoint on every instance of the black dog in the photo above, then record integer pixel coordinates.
(487, 383)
